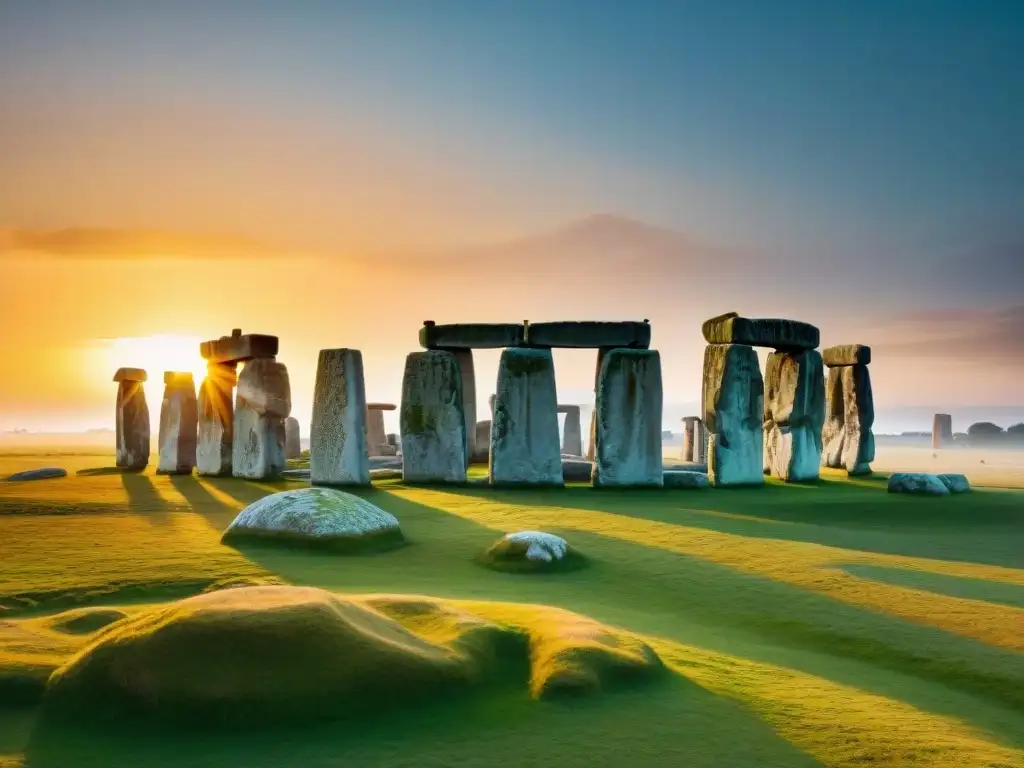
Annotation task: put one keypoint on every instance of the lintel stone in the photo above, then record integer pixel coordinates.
(846, 354)
(773, 333)
(471, 335)
(130, 374)
(589, 334)
(238, 347)
(381, 407)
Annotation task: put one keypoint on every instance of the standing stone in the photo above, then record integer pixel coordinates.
(942, 430)
(628, 424)
(490, 401)
(525, 448)
(375, 434)
(262, 403)
(432, 419)
(482, 449)
(733, 400)
(591, 447)
(694, 440)
(337, 433)
(794, 414)
(216, 420)
(131, 417)
(572, 440)
(179, 425)
(292, 438)
(464, 357)
(850, 413)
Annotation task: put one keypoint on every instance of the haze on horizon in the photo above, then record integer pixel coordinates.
(337, 172)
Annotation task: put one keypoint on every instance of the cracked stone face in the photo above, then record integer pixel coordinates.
(733, 415)
(337, 436)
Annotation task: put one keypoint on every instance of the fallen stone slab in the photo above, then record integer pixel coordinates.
(471, 335)
(955, 483)
(794, 414)
(338, 450)
(589, 334)
(733, 415)
(238, 347)
(577, 470)
(432, 420)
(130, 374)
(846, 354)
(918, 483)
(681, 478)
(774, 333)
(43, 473)
(179, 425)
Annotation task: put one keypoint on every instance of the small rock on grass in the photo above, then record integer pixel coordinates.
(686, 479)
(531, 552)
(955, 483)
(920, 483)
(44, 473)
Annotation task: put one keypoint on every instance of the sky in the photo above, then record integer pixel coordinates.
(337, 172)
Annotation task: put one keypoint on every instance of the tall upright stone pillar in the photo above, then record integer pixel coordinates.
(464, 357)
(433, 420)
(262, 403)
(179, 424)
(292, 438)
(733, 412)
(525, 449)
(628, 425)
(572, 440)
(849, 442)
(376, 437)
(482, 451)
(794, 414)
(216, 420)
(337, 433)
(942, 431)
(131, 417)
(694, 440)
(592, 442)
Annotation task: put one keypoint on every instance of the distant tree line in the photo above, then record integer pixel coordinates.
(987, 433)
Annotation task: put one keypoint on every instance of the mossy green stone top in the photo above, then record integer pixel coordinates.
(313, 512)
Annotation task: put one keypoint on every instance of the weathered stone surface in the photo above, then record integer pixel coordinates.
(179, 425)
(337, 433)
(432, 419)
(238, 348)
(628, 429)
(942, 430)
(917, 482)
(955, 483)
(524, 435)
(572, 438)
(470, 335)
(130, 374)
(482, 445)
(577, 470)
(733, 413)
(392, 438)
(132, 425)
(262, 403)
(464, 357)
(216, 420)
(846, 354)
(775, 333)
(589, 334)
(490, 401)
(794, 414)
(43, 473)
(539, 545)
(385, 462)
(292, 438)
(681, 478)
(592, 440)
(694, 439)
(376, 437)
(849, 415)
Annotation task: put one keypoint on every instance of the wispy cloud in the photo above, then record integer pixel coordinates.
(114, 243)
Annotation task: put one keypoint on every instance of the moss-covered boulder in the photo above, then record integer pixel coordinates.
(531, 552)
(917, 483)
(316, 517)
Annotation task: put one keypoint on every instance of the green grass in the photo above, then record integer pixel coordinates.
(828, 624)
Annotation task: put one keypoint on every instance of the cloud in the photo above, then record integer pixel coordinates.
(112, 243)
(968, 335)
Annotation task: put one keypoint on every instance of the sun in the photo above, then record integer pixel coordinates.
(156, 354)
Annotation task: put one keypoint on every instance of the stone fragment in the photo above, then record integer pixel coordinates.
(589, 334)
(482, 445)
(846, 354)
(918, 483)
(681, 478)
(43, 473)
(130, 374)
(470, 335)
(733, 412)
(292, 438)
(628, 425)
(942, 430)
(849, 415)
(775, 333)
(432, 419)
(132, 423)
(179, 425)
(262, 403)
(955, 483)
(694, 439)
(794, 414)
(524, 434)
(337, 432)
(238, 348)
(216, 420)
(392, 439)
(539, 545)
(577, 470)
(572, 438)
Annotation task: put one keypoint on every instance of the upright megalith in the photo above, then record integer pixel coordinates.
(942, 430)
(628, 422)
(216, 420)
(465, 359)
(572, 439)
(733, 410)
(525, 449)
(490, 402)
(292, 438)
(794, 414)
(262, 402)
(848, 442)
(337, 433)
(179, 425)
(376, 437)
(432, 419)
(131, 418)
(694, 441)
(482, 445)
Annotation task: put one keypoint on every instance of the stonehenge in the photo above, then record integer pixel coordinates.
(338, 453)
(292, 438)
(572, 439)
(733, 397)
(694, 440)
(432, 419)
(376, 438)
(179, 422)
(850, 410)
(131, 418)
(942, 430)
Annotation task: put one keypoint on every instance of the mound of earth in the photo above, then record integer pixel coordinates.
(531, 552)
(265, 655)
(83, 621)
(316, 517)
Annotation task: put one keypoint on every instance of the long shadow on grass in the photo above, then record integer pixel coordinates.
(143, 496)
(942, 584)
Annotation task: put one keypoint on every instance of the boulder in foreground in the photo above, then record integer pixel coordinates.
(531, 552)
(917, 482)
(316, 517)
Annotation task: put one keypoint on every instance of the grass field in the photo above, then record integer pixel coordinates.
(829, 624)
